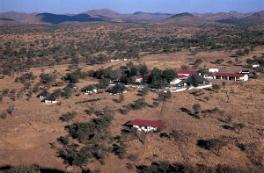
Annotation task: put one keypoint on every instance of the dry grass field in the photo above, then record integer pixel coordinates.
(29, 134)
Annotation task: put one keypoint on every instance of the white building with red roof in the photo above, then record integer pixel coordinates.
(184, 74)
(227, 76)
(145, 125)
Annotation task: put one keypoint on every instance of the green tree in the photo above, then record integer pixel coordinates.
(133, 71)
(156, 78)
(168, 75)
(143, 69)
(103, 83)
(46, 78)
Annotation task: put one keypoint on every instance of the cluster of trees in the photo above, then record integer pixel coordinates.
(119, 43)
(166, 167)
(155, 78)
(75, 76)
(25, 77)
(90, 133)
(117, 89)
(159, 78)
(255, 59)
(46, 78)
(28, 169)
(85, 131)
(95, 141)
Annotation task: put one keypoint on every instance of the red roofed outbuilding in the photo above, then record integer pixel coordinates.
(145, 125)
(184, 74)
(228, 76)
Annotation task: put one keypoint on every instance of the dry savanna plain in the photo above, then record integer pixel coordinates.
(225, 135)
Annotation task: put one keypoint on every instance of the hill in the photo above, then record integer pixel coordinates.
(253, 19)
(20, 18)
(143, 17)
(223, 15)
(137, 17)
(56, 19)
(185, 19)
(106, 14)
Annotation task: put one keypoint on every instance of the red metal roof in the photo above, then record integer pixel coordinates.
(183, 76)
(189, 72)
(137, 77)
(142, 122)
(228, 74)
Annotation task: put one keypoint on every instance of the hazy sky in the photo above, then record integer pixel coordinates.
(128, 6)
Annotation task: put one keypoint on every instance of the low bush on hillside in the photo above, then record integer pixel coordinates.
(46, 78)
(3, 115)
(68, 116)
(84, 131)
(163, 96)
(166, 167)
(25, 77)
(143, 92)
(74, 157)
(63, 140)
(211, 144)
(138, 104)
(22, 169)
(216, 87)
(119, 149)
(117, 89)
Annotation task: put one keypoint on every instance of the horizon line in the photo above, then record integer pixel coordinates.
(192, 12)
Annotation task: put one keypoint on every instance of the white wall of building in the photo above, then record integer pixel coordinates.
(213, 70)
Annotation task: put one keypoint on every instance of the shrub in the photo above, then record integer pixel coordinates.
(67, 92)
(124, 111)
(210, 144)
(175, 135)
(216, 87)
(84, 131)
(166, 167)
(46, 78)
(90, 111)
(163, 96)
(75, 76)
(120, 99)
(119, 150)
(68, 116)
(143, 69)
(74, 157)
(117, 89)
(155, 103)
(23, 169)
(143, 92)
(25, 77)
(164, 135)
(103, 83)
(63, 140)
(3, 115)
(196, 108)
(132, 157)
(138, 104)
(10, 109)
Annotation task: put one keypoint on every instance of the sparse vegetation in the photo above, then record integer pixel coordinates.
(68, 116)
(136, 63)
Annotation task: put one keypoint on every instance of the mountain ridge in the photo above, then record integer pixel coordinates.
(108, 15)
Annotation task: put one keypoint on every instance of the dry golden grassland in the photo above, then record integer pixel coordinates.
(27, 136)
